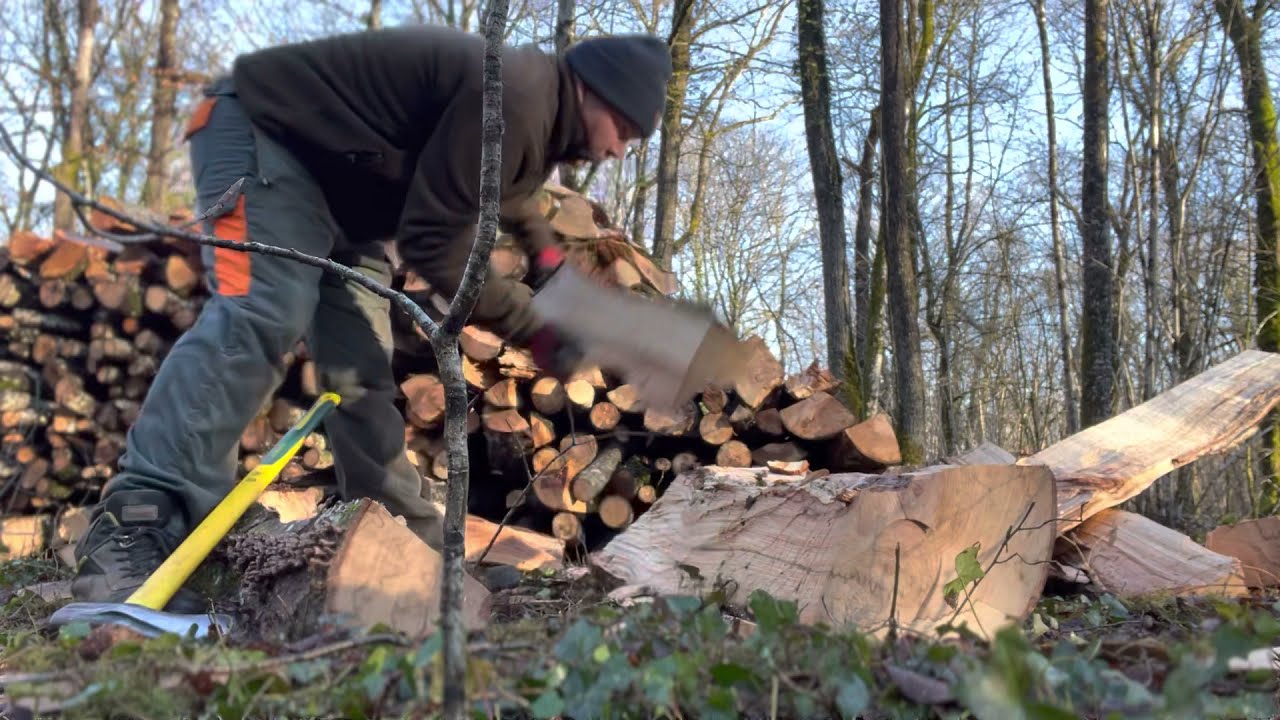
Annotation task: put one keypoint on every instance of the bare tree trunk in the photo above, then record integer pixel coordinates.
(1059, 257)
(373, 20)
(1151, 281)
(862, 261)
(873, 352)
(903, 295)
(565, 10)
(1246, 35)
(73, 145)
(938, 300)
(815, 89)
(163, 107)
(1098, 348)
(641, 199)
(664, 231)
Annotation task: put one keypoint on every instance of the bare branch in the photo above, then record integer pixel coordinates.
(444, 343)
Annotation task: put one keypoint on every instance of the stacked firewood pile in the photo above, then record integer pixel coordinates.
(86, 328)
(88, 323)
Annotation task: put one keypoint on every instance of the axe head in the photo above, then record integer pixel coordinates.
(668, 350)
(142, 619)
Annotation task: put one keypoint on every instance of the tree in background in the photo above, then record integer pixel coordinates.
(1245, 31)
(164, 108)
(75, 119)
(904, 299)
(815, 90)
(1098, 341)
(683, 16)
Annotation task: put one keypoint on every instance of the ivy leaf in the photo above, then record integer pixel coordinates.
(968, 571)
(1117, 608)
(853, 697)
(721, 699)
(658, 680)
(578, 642)
(967, 567)
(727, 674)
(683, 605)
(1230, 642)
(548, 705)
(600, 654)
(78, 630)
(428, 650)
(770, 613)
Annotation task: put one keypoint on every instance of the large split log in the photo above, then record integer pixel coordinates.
(762, 373)
(829, 543)
(1115, 460)
(1130, 555)
(867, 446)
(518, 547)
(352, 565)
(818, 417)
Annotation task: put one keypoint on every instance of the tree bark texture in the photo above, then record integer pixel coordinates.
(163, 107)
(74, 146)
(1059, 256)
(668, 190)
(903, 295)
(565, 10)
(1246, 36)
(828, 191)
(1098, 342)
(862, 237)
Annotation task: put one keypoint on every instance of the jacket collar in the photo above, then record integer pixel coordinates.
(568, 141)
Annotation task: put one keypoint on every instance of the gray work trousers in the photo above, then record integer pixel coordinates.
(227, 366)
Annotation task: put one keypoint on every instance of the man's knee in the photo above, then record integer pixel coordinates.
(272, 322)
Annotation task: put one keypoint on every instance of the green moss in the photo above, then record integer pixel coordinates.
(912, 452)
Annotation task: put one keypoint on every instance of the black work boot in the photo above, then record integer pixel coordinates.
(133, 533)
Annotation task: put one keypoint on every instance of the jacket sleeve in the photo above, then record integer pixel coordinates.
(438, 225)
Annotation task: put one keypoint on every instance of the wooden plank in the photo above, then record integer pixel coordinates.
(1117, 459)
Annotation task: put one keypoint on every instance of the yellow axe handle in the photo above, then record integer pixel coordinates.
(160, 587)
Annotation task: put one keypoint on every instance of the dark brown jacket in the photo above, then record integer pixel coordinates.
(390, 122)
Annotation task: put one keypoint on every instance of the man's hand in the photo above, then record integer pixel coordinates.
(555, 353)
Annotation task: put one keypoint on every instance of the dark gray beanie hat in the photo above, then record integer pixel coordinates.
(629, 72)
